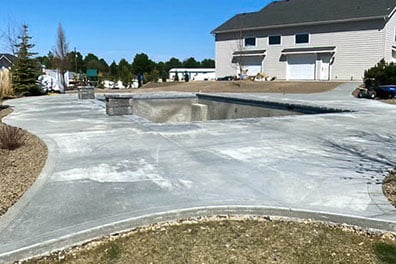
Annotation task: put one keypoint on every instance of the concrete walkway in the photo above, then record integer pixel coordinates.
(107, 174)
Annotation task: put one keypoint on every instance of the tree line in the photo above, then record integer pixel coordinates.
(123, 70)
(28, 65)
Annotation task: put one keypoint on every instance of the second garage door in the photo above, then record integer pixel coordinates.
(301, 67)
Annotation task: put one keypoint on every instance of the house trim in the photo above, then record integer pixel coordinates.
(249, 53)
(3, 56)
(316, 50)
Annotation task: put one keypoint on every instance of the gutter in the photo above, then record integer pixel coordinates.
(305, 24)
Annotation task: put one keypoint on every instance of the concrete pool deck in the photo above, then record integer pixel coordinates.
(106, 174)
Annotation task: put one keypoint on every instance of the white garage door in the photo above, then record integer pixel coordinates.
(301, 67)
(253, 65)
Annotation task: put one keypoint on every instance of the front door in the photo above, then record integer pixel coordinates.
(324, 68)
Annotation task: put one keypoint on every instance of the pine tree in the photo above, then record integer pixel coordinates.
(25, 71)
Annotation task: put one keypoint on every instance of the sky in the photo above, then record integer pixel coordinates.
(120, 28)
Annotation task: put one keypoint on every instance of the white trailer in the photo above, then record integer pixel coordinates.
(194, 74)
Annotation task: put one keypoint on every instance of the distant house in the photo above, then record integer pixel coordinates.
(308, 39)
(6, 60)
(194, 74)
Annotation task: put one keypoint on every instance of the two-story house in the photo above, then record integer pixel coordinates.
(308, 39)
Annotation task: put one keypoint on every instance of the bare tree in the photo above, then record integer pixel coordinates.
(10, 38)
(239, 58)
(61, 54)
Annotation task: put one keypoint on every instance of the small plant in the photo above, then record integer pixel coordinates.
(11, 137)
(385, 252)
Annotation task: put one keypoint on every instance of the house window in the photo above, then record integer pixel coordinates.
(302, 38)
(394, 54)
(250, 42)
(274, 40)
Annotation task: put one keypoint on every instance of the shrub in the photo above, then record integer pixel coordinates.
(11, 137)
(381, 74)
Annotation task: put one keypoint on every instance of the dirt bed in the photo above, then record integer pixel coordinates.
(233, 87)
(19, 168)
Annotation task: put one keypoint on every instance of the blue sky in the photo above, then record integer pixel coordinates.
(120, 28)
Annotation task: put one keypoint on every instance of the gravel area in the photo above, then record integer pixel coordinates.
(389, 187)
(19, 168)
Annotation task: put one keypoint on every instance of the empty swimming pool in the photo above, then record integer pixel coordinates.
(173, 108)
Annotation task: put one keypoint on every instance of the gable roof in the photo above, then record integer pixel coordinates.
(7, 60)
(299, 12)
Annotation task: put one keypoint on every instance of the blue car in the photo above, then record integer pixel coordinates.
(381, 91)
(385, 91)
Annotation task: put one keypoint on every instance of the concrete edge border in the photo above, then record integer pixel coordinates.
(83, 237)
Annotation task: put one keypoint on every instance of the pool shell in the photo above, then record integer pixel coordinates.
(176, 108)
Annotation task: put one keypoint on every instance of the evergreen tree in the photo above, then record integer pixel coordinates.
(26, 69)
(124, 72)
(113, 74)
(142, 64)
(208, 63)
(191, 63)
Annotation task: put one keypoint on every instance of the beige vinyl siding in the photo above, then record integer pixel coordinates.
(226, 45)
(273, 64)
(359, 46)
(390, 31)
(224, 51)
(355, 51)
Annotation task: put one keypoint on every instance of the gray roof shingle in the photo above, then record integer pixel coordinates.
(291, 12)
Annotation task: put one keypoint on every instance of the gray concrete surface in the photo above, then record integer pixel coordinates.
(110, 173)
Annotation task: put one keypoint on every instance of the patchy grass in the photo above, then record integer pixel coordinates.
(256, 240)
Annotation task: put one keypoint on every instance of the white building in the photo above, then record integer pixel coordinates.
(197, 74)
(308, 39)
(51, 79)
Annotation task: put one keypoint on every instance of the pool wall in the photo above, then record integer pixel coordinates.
(176, 108)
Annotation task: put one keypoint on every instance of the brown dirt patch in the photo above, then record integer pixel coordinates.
(233, 87)
(19, 168)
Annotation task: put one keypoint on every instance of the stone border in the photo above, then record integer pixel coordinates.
(127, 225)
